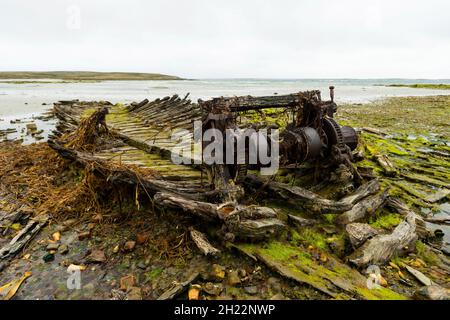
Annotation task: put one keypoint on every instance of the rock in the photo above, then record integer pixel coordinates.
(194, 292)
(117, 294)
(63, 249)
(31, 127)
(84, 235)
(89, 287)
(134, 293)
(433, 292)
(233, 278)
(274, 284)
(127, 282)
(48, 257)
(213, 289)
(242, 273)
(97, 256)
(252, 290)
(278, 296)
(142, 238)
(419, 276)
(129, 246)
(52, 246)
(218, 272)
(382, 281)
(98, 217)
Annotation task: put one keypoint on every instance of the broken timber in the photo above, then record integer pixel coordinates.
(140, 134)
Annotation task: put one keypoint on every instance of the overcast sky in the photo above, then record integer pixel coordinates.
(230, 38)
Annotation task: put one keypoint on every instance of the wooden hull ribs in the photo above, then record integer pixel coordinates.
(141, 135)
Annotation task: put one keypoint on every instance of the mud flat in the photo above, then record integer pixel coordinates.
(128, 246)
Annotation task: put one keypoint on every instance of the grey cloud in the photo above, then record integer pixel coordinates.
(251, 38)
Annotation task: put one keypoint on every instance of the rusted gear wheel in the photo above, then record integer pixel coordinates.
(334, 134)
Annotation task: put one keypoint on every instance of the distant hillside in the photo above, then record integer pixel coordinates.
(85, 75)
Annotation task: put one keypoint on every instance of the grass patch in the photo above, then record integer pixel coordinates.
(86, 75)
(422, 86)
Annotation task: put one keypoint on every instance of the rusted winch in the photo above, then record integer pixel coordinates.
(312, 134)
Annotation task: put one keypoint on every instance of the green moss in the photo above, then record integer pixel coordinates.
(152, 275)
(409, 115)
(87, 112)
(310, 237)
(381, 294)
(426, 254)
(422, 86)
(282, 252)
(386, 221)
(329, 218)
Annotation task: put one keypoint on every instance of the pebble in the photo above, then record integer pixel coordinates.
(278, 296)
(242, 273)
(63, 249)
(56, 236)
(52, 246)
(233, 278)
(48, 257)
(129, 245)
(194, 292)
(213, 289)
(142, 238)
(134, 293)
(218, 272)
(251, 290)
(274, 284)
(84, 235)
(127, 282)
(97, 256)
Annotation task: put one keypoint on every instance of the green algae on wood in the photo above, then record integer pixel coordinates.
(327, 275)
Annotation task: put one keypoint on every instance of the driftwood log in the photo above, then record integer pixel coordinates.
(202, 243)
(433, 292)
(386, 164)
(242, 221)
(358, 233)
(23, 238)
(178, 288)
(309, 200)
(381, 248)
(421, 228)
(300, 222)
(363, 209)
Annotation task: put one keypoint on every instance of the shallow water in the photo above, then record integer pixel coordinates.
(25, 101)
(14, 96)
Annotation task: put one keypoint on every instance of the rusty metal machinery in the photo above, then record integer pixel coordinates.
(312, 135)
